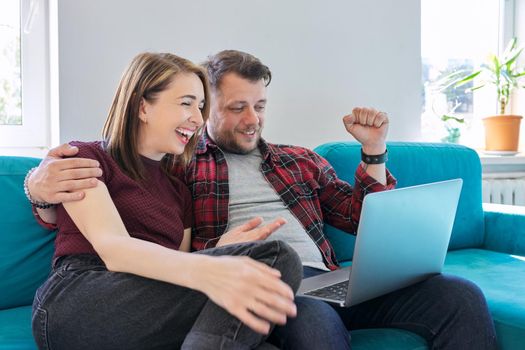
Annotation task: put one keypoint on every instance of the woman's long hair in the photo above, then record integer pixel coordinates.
(146, 76)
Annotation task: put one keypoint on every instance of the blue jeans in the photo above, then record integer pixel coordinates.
(448, 311)
(82, 305)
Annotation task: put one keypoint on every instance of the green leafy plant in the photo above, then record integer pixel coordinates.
(452, 121)
(453, 128)
(501, 71)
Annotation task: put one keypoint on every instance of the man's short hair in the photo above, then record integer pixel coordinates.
(232, 61)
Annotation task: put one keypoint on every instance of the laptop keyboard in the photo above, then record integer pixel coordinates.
(335, 291)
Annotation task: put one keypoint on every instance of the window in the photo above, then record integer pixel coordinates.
(10, 77)
(24, 74)
(459, 34)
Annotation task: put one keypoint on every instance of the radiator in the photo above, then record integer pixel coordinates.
(504, 191)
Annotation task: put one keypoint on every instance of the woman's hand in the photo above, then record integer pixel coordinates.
(249, 290)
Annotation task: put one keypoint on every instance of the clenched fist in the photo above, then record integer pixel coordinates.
(369, 127)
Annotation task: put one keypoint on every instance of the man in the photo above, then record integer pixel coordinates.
(236, 175)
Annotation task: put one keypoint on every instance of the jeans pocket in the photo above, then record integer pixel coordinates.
(40, 328)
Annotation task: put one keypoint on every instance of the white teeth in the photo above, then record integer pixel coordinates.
(184, 132)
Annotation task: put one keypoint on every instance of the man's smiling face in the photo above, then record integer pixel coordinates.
(237, 113)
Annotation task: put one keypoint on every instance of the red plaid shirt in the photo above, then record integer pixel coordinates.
(306, 183)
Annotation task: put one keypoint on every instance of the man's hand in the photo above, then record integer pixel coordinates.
(370, 127)
(58, 180)
(249, 290)
(250, 231)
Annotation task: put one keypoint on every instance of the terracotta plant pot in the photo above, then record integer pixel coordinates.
(502, 132)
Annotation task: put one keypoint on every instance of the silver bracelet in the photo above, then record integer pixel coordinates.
(36, 204)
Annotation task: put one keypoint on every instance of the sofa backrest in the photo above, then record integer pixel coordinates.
(25, 248)
(413, 164)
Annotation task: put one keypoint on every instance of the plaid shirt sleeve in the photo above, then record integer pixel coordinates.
(200, 243)
(342, 204)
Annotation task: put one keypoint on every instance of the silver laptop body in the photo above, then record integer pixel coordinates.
(402, 238)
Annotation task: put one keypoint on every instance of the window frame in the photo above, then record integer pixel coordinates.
(35, 75)
(507, 22)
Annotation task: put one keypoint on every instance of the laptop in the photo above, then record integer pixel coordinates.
(402, 239)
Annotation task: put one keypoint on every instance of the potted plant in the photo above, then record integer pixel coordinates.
(503, 72)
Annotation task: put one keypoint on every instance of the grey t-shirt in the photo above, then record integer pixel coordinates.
(252, 195)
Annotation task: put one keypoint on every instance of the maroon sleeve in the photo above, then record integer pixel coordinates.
(94, 150)
(91, 150)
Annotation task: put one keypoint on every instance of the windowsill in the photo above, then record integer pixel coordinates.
(36, 152)
(502, 164)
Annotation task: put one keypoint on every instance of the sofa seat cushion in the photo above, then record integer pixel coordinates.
(16, 329)
(502, 279)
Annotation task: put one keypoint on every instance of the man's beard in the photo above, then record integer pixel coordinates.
(229, 144)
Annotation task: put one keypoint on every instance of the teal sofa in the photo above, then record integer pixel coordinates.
(487, 245)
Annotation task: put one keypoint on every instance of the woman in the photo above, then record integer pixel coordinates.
(122, 276)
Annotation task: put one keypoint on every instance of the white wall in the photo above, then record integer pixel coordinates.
(326, 57)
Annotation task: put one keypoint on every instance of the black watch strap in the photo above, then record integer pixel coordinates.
(374, 159)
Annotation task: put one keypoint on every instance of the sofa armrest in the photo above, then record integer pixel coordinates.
(504, 228)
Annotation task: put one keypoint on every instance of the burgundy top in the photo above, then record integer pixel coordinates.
(157, 211)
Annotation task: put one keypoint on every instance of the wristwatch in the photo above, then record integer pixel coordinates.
(374, 159)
